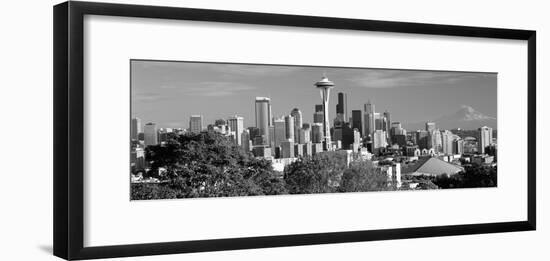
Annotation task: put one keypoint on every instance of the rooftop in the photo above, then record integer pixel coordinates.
(432, 166)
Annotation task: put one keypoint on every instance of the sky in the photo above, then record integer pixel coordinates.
(168, 92)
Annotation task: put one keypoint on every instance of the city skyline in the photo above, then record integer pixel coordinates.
(169, 93)
(241, 142)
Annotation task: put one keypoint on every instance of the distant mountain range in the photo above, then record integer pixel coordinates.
(466, 118)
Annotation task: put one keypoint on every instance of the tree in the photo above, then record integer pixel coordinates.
(219, 122)
(144, 191)
(209, 164)
(473, 176)
(318, 174)
(361, 176)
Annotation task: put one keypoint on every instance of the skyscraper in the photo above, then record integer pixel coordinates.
(435, 140)
(245, 140)
(150, 133)
(357, 120)
(287, 149)
(422, 139)
(378, 122)
(379, 139)
(485, 139)
(236, 123)
(279, 134)
(297, 114)
(369, 119)
(458, 146)
(447, 139)
(324, 86)
(136, 128)
(317, 133)
(318, 114)
(342, 106)
(387, 120)
(263, 117)
(387, 125)
(289, 128)
(304, 134)
(195, 123)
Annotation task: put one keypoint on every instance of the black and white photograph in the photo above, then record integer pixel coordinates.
(207, 129)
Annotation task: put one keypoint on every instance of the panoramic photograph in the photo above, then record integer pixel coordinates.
(204, 129)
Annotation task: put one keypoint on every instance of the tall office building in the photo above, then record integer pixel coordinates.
(485, 139)
(253, 132)
(342, 106)
(297, 114)
(317, 133)
(324, 86)
(378, 122)
(357, 120)
(287, 149)
(435, 140)
(387, 120)
(236, 123)
(422, 139)
(447, 140)
(289, 128)
(245, 140)
(263, 117)
(318, 114)
(279, 134)
(136, 128)
(150, 134)
(304, 135)
(379, 139)
(369, 119)
(195, 123)
(430, 126)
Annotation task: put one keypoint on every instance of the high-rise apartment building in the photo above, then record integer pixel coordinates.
(195, 123)
(485, 139)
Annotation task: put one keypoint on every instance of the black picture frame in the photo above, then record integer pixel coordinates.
(69, 129)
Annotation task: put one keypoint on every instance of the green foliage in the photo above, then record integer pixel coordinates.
(142, 191)
(361, 176)
(208, 164)
(474, 176)
(318, 174)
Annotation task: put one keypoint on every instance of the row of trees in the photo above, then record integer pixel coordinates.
(473, 176)
(210, 165)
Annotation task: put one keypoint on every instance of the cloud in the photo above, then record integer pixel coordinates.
(223, 69)
(401, 78)
(210, 88)
(147, 96)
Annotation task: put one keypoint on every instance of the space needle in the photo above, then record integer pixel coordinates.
(324, 86)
